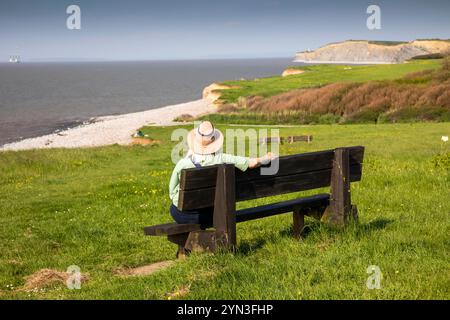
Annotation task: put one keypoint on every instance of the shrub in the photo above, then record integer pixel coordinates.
(185, 117)
(242, 102)
(428, 56)
(425, 113)
(383, 118)
(228, 108)
(446, 64)
(329, 118)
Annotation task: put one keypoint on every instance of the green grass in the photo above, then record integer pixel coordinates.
(434, 39)
(87, 207)
(319, 75)
(379, 42)
(387, 43)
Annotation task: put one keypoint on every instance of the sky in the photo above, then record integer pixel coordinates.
(205, 29)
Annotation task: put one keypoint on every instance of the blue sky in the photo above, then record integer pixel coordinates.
(205, 29)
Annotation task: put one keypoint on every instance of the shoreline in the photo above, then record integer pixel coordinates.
(343, 62)
(108, 130)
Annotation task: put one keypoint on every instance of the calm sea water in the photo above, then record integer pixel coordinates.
(40, 98)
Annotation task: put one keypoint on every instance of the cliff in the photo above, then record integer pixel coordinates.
(211, 93)
(373, 52)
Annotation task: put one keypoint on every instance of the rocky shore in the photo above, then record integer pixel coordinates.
(112, 129)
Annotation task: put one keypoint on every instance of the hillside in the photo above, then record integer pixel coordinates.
(419, 96)
(317, 76)
(414, 91)
(373, 52)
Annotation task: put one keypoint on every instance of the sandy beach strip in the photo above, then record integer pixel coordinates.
(109, 130)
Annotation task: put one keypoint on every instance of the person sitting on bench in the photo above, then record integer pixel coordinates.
(205, 149)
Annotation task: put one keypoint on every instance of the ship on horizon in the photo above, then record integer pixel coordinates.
(14, 59)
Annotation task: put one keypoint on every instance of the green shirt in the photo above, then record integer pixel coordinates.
(186, 163)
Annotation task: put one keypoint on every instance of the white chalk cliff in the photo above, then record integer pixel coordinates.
(373, 52)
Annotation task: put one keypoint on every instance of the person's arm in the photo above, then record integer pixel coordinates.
(174, 182)
(256, 162)
(242, 163)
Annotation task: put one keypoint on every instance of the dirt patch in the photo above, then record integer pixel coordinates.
(47, 277)
(185, 117)
(291, 72)
(144, 142)
(144, 270)
(211, 93)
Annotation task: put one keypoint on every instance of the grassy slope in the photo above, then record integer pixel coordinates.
(319, 75)
(88, 206)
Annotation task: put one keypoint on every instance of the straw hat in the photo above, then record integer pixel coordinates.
(205, 139)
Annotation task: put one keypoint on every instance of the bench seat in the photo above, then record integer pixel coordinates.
(168, 229)
(306, 204)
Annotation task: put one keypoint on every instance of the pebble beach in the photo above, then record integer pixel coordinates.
(107, 130)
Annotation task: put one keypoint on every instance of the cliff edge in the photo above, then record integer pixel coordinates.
(373, 52)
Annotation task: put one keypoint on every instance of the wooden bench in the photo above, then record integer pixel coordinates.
(222, 186)
(282, 140)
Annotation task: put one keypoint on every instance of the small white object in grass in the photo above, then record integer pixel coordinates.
(444, 138)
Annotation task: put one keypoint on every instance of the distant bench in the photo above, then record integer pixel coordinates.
(289, 139)
(222, 186)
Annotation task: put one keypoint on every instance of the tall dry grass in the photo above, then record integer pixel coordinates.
(424, 95)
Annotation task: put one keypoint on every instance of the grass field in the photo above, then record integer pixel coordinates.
(87, 207)
(319, 75)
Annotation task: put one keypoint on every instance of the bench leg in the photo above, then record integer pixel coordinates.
(180, 240)
(299, 224)
(200, 241)
(182, 252)
(339, 210)
(354, 212)
(224, 220)
(193, 241)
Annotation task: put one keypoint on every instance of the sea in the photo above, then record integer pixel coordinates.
(38, 98)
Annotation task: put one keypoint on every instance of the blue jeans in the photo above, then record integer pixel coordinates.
(204, 217)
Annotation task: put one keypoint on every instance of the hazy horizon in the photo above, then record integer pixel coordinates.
(75, 60)
(140, 30)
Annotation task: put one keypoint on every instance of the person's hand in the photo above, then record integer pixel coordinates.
(271, 155)
(256, 162)
(267, 158)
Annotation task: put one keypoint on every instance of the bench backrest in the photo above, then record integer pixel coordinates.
(296, 173)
